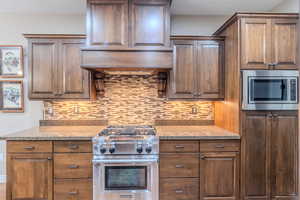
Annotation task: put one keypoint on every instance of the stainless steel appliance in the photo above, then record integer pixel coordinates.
(125, 163)
(270, 90)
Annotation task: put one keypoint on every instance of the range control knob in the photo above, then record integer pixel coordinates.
(102, 150)
(148, 149)
(139, 148)
(112, 149)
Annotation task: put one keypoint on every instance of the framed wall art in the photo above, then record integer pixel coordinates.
(11, 96)
(11, 61)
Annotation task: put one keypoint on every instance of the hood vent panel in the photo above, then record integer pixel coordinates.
(129, 60)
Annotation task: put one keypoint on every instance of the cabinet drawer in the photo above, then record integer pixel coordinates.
(70, 165)
(179, 165)
(208, 146)
(179, 146)
(29, 147)
(179, 188)
(73, 189)
(72, 146)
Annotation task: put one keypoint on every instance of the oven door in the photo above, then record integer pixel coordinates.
(120, 178)
(270, 90)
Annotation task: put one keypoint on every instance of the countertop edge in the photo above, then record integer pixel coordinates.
(90, 138)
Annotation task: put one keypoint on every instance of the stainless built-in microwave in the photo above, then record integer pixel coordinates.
(270, 90)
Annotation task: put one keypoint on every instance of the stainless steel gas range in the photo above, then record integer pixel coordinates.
(125, 163)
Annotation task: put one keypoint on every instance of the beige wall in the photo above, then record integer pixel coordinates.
(287, 6)
(196, 25)
(12, 28)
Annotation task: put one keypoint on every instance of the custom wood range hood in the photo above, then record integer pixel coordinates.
(127, 35)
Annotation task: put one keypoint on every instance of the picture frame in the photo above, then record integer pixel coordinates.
(11, 61)
(11, 96)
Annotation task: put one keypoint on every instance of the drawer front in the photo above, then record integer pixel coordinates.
(179, 146)
(179, 188)
(179, 165)
(70, 165)
(73, 189)
(219, 146)
(29, 147)
(73, 147)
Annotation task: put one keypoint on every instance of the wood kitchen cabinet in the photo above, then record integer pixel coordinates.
(46, 170)
(270, 155)
(107, 23)
(54, 65)
(212, 166)
(198, 68)
(29, 171)
(122, 24)
(219, 175)
(269, 43)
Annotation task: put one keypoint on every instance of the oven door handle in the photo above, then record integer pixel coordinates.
(125, 161)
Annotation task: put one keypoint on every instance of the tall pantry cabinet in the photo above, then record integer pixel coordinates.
(269, 139)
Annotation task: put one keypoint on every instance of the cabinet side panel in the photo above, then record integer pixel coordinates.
(227, 111)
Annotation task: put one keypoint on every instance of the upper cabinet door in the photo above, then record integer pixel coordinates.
(284, 40)
(182, 84)
(107, 23)
(209, 70)
(284, 148)
(255, 43)
(219, 176)
(150, 23)
(43, 62)
(74, 81)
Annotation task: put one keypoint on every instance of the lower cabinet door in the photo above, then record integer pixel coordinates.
(219, 176)
(179, 189)
(30, 177)
(284, 156)
(73, 189)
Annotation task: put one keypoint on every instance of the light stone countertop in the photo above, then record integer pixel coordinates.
(88, 132)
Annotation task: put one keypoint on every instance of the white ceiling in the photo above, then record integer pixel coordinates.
(179, 7)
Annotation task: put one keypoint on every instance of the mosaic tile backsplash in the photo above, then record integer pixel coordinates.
(129, 100)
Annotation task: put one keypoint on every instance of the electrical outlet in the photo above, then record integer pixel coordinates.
(194, 110)
(50, 111)
(76, 109)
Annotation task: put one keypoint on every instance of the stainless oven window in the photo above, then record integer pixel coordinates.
(126, 177)
(265, 90)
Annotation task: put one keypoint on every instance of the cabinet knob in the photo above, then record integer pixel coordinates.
(220, 146)
(179, 147)
(202, 157)
(275, 115)
(179, 166)
(29, 148)
(73, 193)
(73, 146)
(49, 158)
(178, 191)
(73, 166)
